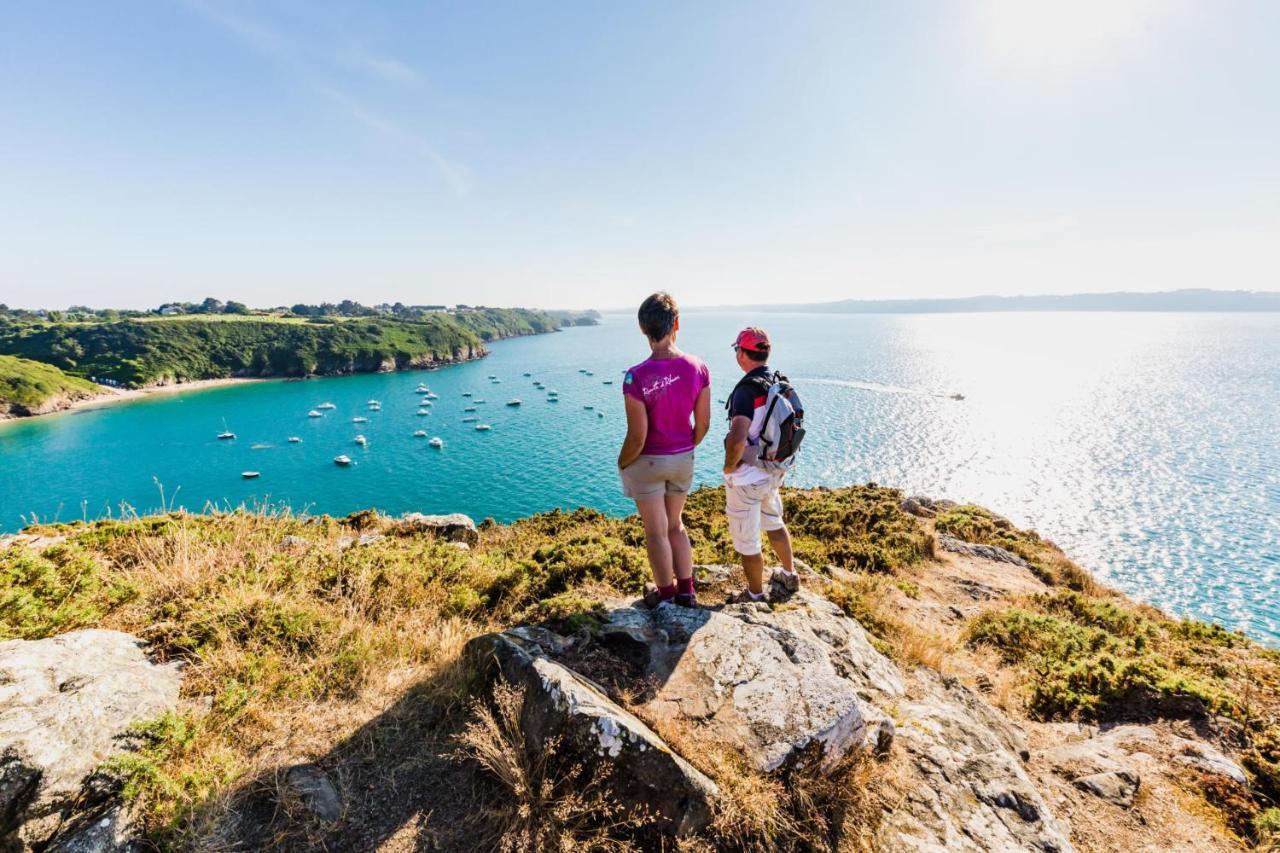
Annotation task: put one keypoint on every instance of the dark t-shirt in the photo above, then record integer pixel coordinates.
(748, 396)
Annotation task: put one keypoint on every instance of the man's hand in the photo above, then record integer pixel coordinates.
(729, 469)
(735, 443)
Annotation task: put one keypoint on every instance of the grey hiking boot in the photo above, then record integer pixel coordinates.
(686, 599)
(745, 597)
(784, 581)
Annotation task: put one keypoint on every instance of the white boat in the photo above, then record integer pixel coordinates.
(342, 460)
(553, 399)
(250, 475)
(373, 403)
(326, 406)
(599, 414)
(432, 395)
(477, 402)
(423, 412)
(466, 393)
(293, 439)
(419, 433)
(226, 434)
(314, 414)
(589, 373)
(470, 419)
(553, 393)
(496, 382)
(608, 382)
(514, 402)
(469, 409)
(361, 440)
(359, 419)
(483, 427)
(492, 376)
(375, 408)
(423, 389)
(588, 408)
(436, 442)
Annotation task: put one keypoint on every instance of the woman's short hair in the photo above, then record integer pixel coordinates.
(658, 315)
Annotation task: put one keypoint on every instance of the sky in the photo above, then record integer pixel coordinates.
(584, 154)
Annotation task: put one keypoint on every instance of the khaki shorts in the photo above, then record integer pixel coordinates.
(752, 509)
(652, 476)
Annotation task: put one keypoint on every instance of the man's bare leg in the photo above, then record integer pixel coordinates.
(753, 567)
(780, 539)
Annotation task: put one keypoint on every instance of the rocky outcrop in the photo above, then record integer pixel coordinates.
(985, 552)
(972, 793)
(644, 773)
(67, 704)
(779, 685)
(454, 527)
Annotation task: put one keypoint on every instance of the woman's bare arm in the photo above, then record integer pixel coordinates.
(637, 432)
(702, 416)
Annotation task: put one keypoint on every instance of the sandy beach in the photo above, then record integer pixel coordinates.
(111, 396)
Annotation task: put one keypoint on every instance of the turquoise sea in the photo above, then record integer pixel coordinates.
(1144, 444)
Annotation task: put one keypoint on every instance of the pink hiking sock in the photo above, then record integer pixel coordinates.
(684, 586)
(666, 593)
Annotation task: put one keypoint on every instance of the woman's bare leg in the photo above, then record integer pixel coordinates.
(653, 512)
(678, 537)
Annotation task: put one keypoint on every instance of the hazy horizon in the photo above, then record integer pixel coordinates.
(583, 155)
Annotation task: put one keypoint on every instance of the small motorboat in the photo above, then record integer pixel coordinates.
(359, 419)
(483, 427)
(608, 382)
(373, 403)
(250, 475)
(492, 376)
(478, 401)
(420, 433)
(377, 408)
(514, 402)
(466, 393)
(528, 374)
(553, 393)
(293, 439)
(436, 442)
(361, 440)
(553, 399)
(423, 412)
(314, 414)
(326, 406)
(469, 409)
(599, 414)
(588, 373)
(432, 395)
(470, 419)
(588, 408)
(582, 370)
(342, 460)
(422, 389)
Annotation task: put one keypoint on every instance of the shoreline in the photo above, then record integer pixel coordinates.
(112, 396)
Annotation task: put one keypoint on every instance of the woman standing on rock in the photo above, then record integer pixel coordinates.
(668, 403)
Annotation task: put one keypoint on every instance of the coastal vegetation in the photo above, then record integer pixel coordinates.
(294, 629)
(153, 350)
(28, 387)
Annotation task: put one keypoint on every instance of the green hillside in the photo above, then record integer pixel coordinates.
(139, 352)
(26, 385)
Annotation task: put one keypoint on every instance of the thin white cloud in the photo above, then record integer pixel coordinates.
(1024, 231)
(292, 56)
(383, 67)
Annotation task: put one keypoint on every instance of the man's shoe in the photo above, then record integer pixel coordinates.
(652, 598)
(787, 582)
(745, 597)
(686, 599)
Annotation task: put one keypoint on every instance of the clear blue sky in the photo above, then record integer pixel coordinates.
(584, 154)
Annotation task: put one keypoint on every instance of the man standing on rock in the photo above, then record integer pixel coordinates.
(766, 421)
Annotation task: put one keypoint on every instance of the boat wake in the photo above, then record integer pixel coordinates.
(879, 388)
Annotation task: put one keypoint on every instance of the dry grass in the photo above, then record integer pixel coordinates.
(542, 802)
(875, 601)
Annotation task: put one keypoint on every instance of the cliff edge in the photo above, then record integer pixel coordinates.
(942, 681)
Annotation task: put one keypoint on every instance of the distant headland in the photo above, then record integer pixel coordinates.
(52, 360)
(1172, 300)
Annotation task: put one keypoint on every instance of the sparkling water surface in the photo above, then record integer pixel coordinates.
(1144, 444)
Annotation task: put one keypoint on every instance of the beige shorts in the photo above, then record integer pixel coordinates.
(652, 476)
(752, 509)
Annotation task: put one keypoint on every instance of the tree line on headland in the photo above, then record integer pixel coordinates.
(182, 342)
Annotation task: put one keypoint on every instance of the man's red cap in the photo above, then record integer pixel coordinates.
(752, 338)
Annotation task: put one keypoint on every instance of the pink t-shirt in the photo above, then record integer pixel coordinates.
(668, 387)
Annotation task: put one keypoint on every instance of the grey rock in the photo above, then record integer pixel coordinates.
(66, 705)
(1193, 753)
(1205, 757)
(778, 684)
(1114, 786)
(111, 831)
(454, 527)
(970, 792)
(292, 541)
(311, 787)
(643, 772)
(986, 552)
